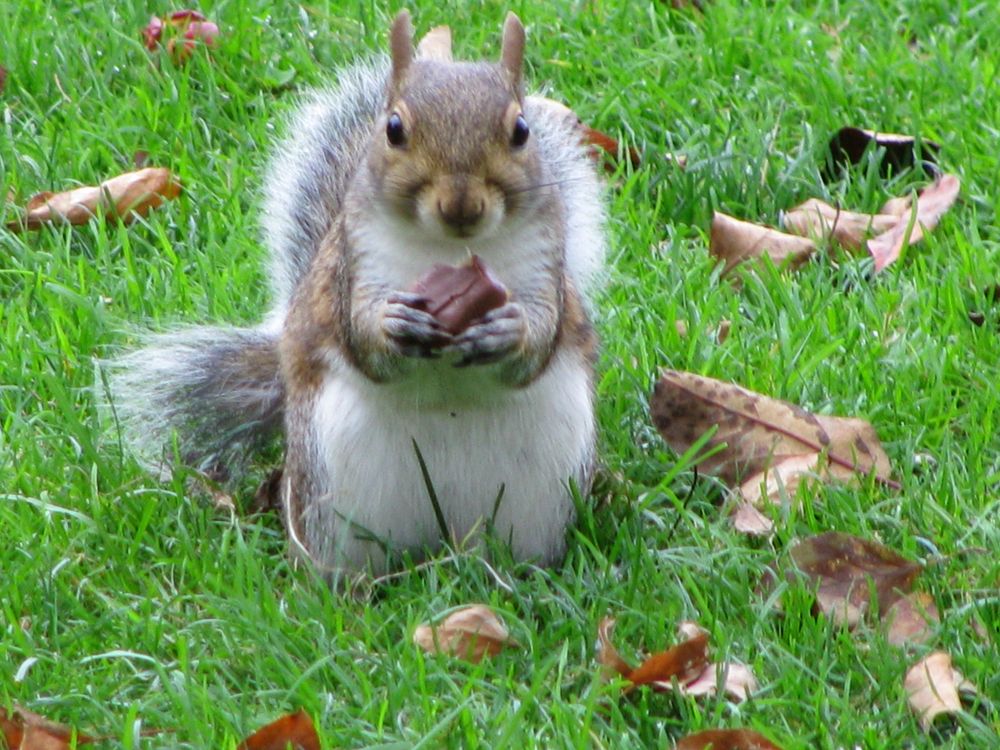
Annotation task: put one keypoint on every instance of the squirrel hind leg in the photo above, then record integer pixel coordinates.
(216, 391)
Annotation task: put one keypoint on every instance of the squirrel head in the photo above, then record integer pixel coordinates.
(452, 151)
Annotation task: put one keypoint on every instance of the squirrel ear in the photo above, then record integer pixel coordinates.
(401, 46)
(512, 49)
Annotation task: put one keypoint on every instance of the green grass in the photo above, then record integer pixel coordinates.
(125, 598)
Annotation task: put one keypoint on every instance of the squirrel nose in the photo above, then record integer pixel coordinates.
(461, 208)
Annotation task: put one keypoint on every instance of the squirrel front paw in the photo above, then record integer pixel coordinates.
(495, 336)
(411, 331)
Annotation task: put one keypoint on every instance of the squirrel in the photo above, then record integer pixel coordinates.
(408, 162)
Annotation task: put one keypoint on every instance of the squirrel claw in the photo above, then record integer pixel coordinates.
(409, 299)
(413, 332)
(499, 333)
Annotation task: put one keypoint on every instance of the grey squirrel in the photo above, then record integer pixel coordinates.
(409, 162)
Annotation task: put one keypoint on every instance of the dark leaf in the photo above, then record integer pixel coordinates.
(848, 146)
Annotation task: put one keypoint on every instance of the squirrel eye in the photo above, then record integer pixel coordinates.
(394, 132)
(520, 135)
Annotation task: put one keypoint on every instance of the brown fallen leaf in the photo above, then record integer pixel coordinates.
(184, 29)
(846, 568)
(781, 480)
(848, 146)
(26, 730)
(725, 739)
(687, 663)
(608, 657)
(733, 242)
(123, 197)
(911, 619)
(933, 202)
(684, 662)
(933, 688)
(746, 519)
(290, 732)
(470, 633)
(3, 78)
(601, 142)
(897, 206)
(819, 221)
(755, 431)
(732, 678)
(778, 484)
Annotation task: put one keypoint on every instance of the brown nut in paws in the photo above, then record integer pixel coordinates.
(459, 295)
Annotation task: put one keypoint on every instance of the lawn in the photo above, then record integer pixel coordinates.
(128, 600)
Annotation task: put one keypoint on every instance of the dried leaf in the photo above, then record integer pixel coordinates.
(933, 202)
(820, 221)
(295, 731)
(685, 665)
(601, 142)
(734, 679)
(848, 146)
(3, 78)
(607, 655)
(897, 206)
(846, 568)
(911, 619)
(685, 662)
(733, 242)
(779, 484)
(195, 33)
(747, 519)
(122, 196)
(186, 30)
(152, 32)
(755, 431)
(933, 686)
(781, 480)
(26, 730)
(688, 629)
(470, 633)
(726, 739)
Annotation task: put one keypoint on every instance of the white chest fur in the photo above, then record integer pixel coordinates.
(530, 441)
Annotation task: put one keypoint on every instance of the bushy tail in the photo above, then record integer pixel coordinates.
(213, 395)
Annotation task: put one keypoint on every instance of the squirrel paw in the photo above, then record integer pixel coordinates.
(493, 337)
(412, 332)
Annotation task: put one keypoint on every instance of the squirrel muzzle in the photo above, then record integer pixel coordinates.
(464, 206)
